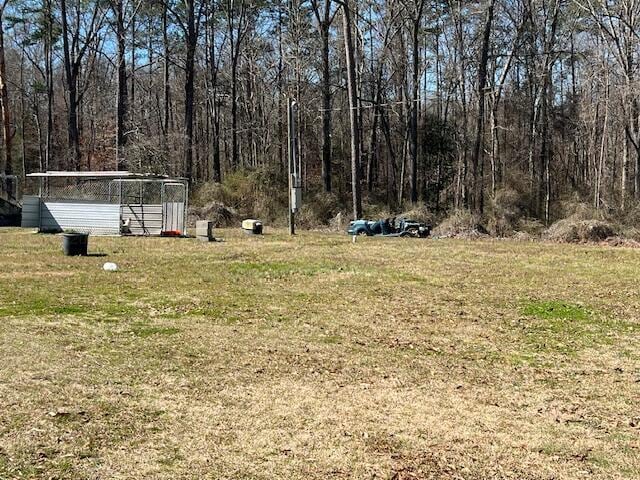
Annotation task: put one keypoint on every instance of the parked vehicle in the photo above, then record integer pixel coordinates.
(390, 227)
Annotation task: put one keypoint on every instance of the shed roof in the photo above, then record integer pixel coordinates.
(109, 175)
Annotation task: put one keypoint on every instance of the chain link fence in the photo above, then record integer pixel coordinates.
(174, 193)
(110, 191)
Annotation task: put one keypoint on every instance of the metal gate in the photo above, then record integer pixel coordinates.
(174, 207)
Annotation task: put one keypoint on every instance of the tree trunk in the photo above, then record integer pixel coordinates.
(71, 69)
(6, 166)
(324, 26)
(391, 161)
(413, 108)
(165, 75)
(216, 168)
(48, 49)
(372, 161)
(123, 95)
(462, 197)
(281, 113)
(353, 112)
(477, 203)
(235, 41)
(191, 41)
(235, 156)
(326, 109)
(132, 97)
(23, 115)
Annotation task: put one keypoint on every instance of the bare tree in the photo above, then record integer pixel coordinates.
(356, 188)
(5, 110)
(415, 10)
(325, 15)
(79, 34)
(619, 25)
(189, 20)
(236, 13)
(478, 150)
(119, 8)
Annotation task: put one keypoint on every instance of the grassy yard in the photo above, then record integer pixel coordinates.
(318, 358)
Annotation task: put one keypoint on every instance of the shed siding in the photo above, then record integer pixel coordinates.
(143, 219)
(89, 217)
(100, 218)
(30, 212)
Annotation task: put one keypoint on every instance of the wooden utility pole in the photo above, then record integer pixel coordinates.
(293, 152)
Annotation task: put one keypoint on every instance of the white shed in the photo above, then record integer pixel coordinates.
(107, 203)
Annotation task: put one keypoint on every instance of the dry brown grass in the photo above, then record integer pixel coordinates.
(318, 358)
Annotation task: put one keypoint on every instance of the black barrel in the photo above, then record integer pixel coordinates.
(75, 244)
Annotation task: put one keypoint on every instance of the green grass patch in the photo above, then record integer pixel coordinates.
(144, 331)
(278, 269)
(559, 327)
(40, 306)
(555, 310)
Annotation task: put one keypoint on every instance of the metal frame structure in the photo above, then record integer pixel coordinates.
(107, 203)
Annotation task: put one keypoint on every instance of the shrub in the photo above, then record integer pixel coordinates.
(339, 222)
(523, 237)
(631, 233)
(506, 209)
(205, 193)
(259, 193)
(420, 214)
(530, 226)
(571, 230)
(373, 211)
(631, 216)
(318, 210)
(218, 213)
(461, 223)
(577, 210)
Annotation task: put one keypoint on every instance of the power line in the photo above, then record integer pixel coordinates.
(377, 105)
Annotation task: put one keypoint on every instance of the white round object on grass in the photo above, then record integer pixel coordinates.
(110, 267)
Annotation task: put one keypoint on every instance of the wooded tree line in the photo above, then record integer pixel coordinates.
(439, 102)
